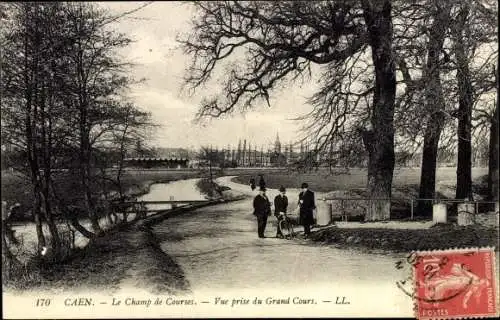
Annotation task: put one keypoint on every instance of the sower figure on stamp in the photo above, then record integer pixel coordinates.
(262, 209)
(280, 206)
(307, 205)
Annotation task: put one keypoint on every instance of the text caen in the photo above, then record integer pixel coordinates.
(78, 302)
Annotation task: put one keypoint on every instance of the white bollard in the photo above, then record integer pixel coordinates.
(173, 205)
(5, 211)
(439, 213)
(465, 214)
(323, 212)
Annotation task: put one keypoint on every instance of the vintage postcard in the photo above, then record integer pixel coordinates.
(249, 159)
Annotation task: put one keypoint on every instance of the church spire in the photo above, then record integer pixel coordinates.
(277, 144)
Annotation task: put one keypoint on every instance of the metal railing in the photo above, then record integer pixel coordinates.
(166, 202)
(410, 201)
(135, 206)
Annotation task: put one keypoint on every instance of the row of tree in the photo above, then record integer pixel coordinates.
(416, 75)
(65, 117)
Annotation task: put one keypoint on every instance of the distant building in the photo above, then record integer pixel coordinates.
(171, 158)
(170, 163)
(277, 144)
(171, 153)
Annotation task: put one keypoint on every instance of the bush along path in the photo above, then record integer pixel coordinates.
(404, 240)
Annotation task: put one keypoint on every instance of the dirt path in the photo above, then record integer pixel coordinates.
(219, 251)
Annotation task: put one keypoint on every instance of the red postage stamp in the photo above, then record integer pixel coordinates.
(454, 284)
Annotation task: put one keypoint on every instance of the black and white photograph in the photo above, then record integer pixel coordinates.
(194, 159)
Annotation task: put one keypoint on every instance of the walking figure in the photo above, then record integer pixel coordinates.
(307, 205)
(262, 183)
(252, 184)
(280, 206)
(262, 209)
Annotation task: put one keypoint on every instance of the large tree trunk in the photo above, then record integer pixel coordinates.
(9, 260)
(89, 204)
(429, 164)
(493, 157)
(34, 171)
(29, 115)
(381, 148)
(54, 232)
(464, 163)
(85, 145)
(38, 223)
(85, 166)
(78, 227)
(434, 105)
(35, 181)
(46, 154)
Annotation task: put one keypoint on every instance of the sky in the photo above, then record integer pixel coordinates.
(159, 59)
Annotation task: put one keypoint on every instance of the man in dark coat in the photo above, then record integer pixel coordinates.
(252, 184)
(280, 206)
(262, 183)
(262, 209)
(307, 205)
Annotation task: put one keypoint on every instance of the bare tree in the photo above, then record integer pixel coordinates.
(61, 72)
(493, 157)
(211, 157)
(434, 102)
(95, 73)
(28, 102)
(464, 164)
(282, 40)
(123, 126)
(471, 33)
(438, 82)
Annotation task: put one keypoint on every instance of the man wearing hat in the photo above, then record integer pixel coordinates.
(262, 209)
(262, 183)
(307, 205)
(280, 206)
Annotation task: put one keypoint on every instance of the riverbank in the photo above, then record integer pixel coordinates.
(17, 188)
(103, 264)
(128, 255)
(135, 184)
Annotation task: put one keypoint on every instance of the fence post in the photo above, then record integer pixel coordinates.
(369, 211)
(475, 212)
(342, 218)
(411, 208)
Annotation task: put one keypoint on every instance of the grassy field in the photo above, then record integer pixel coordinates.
(17, 188)
(341, 179)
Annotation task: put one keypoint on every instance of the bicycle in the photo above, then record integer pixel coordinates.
(285, 225)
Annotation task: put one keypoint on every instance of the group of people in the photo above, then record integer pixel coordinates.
(262, 207)
(262, 183)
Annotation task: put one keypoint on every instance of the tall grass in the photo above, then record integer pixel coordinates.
(209, 188)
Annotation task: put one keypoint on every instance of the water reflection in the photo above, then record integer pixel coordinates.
(175, 190)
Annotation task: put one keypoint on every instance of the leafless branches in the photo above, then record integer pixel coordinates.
(275, 40)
